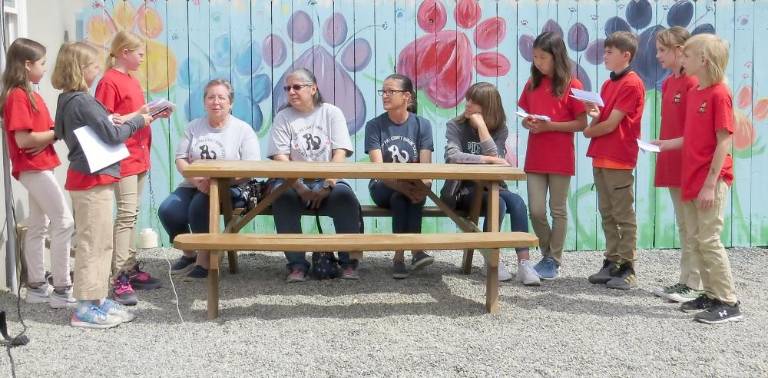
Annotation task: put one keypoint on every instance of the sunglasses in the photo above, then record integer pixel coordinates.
(389, 92)
(295, 87)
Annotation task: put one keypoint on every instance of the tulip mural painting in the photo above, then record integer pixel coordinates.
(445, 46)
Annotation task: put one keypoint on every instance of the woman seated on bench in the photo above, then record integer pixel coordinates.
(308, 129)
(479, 135)
(400, 136)
(218, 136)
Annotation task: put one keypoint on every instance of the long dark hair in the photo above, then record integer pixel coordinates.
(406, 84)
(15, 75)
(553, 44)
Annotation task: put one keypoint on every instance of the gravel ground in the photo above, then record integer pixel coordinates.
(428, 325)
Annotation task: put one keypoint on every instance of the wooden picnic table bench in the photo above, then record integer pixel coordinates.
(222, 172)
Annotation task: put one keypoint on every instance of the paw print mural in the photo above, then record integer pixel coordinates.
(332, 71)
(442, 61)
(158, 72)
(638, 15)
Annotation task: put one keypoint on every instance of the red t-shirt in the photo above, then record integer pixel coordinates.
(627, 95)
(18, 115)
(674, 94)
(77, 180)
(708, 111)
(552, 151)
(122, 94)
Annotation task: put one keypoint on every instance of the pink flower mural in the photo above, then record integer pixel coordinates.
(442, 62)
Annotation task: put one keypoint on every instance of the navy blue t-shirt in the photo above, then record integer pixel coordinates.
(399, 143)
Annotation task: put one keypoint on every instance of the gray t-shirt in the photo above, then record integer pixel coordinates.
(399, 143)
(236, 140)
(309, 136)
(463, 143)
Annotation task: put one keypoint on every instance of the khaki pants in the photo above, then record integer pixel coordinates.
(703, 228)
(551, 239)
(48, 212)
(93, 224)
(127, 196)
(689, 260)
(615, 199)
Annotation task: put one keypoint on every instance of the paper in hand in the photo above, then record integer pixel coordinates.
(523, 114)
(645, 146)
(160, 105)
(98, 153)
(587, 96)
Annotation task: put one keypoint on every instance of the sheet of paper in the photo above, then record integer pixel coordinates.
(587, 96)
(645, 146)
(522, 114)
(99, 154)
(158, 106)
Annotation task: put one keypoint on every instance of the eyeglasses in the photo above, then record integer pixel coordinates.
(389, 92)
(295, 87)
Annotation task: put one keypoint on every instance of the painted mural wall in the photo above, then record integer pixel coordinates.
(445, 46)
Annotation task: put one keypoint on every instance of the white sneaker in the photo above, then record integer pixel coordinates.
(117, 310)
(504, 274)
(526, 274)
(63, 300)
(41, 294)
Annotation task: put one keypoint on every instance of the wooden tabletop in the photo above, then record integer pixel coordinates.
(297, 169)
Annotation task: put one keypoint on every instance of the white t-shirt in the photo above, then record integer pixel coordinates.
(236, 140)
(309, 136)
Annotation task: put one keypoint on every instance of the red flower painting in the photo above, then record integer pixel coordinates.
(443, 61)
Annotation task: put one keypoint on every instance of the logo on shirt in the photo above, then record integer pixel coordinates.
(677, 98)
(474, 148)
(401, 149)
(397, 155)
(703, 107)
(205, 153)
(313, 142)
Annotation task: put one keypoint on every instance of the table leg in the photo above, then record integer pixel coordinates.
(474, 216)
(213, 270)
(492, 276)
(226, 209)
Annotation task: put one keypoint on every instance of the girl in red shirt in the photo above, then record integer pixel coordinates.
(706, 174)
(674, 94)
(29, 129)
(121, 93)
(550, 157)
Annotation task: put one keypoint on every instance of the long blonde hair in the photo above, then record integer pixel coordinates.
(72, 59)
(123, 40)
(713, 51)
(19, 53)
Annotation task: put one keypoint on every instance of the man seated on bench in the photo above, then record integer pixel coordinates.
(400, 136)
(308, 129)
(217, 136)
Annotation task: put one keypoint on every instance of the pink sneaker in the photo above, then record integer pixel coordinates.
(296, 275)
(122, 291)
(141, 280)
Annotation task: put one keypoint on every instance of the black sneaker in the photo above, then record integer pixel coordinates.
(604, 275)
(183, 265)
(720, 313)
(624, 277)
(421, 259)
(197, 273)
(702, 303)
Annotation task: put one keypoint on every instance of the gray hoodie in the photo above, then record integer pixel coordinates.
(78, 109)
(463, 144)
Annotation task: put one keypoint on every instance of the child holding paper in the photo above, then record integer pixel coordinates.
(614, 131)
(550, 158)
(121, 93)
(92, 192)
(707, 172)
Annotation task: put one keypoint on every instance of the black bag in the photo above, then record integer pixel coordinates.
(248, 194)
(324, 266)
(451, 192)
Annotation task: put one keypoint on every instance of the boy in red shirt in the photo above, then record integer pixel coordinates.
(614, 131)
(707, 172)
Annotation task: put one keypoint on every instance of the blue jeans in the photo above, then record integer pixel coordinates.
(509, 203)
(406, 215)
(341, 205)
(184, 211)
